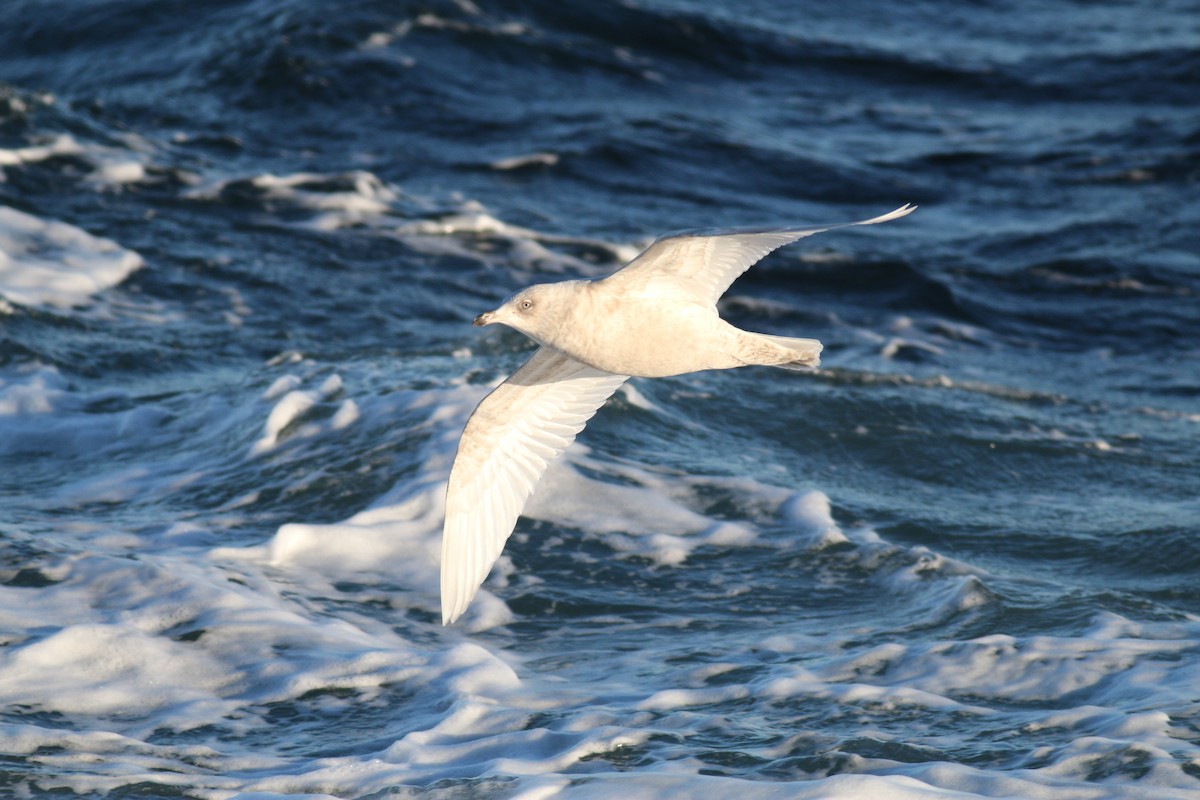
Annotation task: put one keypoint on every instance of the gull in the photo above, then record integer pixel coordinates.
(654, 317)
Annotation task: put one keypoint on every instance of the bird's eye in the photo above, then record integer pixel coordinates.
(526, 305)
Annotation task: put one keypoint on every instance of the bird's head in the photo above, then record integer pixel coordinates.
(536, 311)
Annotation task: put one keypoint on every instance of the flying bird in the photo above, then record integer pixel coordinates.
(654, 317)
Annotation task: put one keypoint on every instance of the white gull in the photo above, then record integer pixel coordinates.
(655, 317)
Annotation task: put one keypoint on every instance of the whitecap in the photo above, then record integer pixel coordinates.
(51, 263)
(295, 405)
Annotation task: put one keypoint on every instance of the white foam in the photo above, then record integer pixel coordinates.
(63, 144)
(116, 173)
(1030, 670)
(40, 413)
(191, 638)
(336, 200)
(362, 201)
(112, 166)
(295, 405)
(44, 262)
(634, 516)
(282, 384)
(525, 161)
(811, 516)
(102, 647)
(35, 390)
(104, 669)
(174, 662)
(346, 415)
(655, 785)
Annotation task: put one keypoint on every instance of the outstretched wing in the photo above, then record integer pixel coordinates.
(704, 263)
(512, 437)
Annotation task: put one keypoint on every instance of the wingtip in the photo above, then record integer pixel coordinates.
(902, 211)
(450, 613)
(453, 604)
(457, 593)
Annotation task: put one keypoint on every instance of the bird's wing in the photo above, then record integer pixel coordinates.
(703, 263)
(510, 439)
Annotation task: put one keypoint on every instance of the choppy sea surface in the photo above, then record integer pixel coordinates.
(241, 243)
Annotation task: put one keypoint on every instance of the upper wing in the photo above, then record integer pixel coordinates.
(512, 437)
(703, 263)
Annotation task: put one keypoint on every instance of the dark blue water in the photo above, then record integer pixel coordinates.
(241, 244)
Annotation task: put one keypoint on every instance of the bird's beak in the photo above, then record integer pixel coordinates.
(486, 318)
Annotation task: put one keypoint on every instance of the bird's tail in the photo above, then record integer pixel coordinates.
(785, 352)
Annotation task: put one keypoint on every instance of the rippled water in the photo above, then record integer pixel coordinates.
(241, 244)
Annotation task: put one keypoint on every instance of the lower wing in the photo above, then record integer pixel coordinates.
(510, 439)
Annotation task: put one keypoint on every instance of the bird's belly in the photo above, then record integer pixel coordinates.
(651, 346)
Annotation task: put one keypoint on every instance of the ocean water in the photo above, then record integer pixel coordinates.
(241, 244)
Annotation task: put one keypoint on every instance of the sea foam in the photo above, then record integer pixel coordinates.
(51, 263)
